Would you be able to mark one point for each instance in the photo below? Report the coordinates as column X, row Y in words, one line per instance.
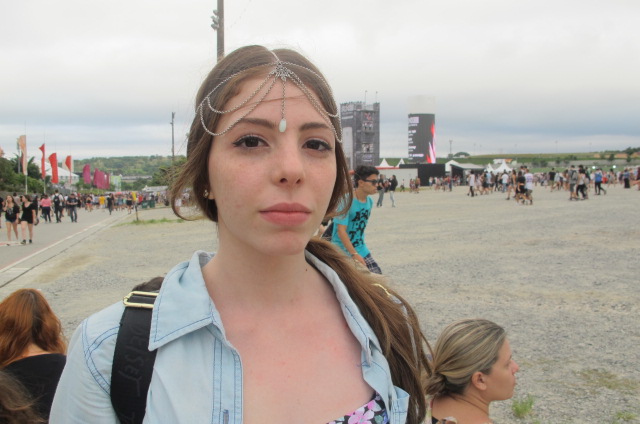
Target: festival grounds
column 560, row 276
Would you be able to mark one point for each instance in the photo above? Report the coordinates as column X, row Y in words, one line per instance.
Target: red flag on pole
column 42, row 170
column 68, row 165
column 53, row 160
column 86, row 174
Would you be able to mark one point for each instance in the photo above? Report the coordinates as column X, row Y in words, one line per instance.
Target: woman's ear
column 479, row 380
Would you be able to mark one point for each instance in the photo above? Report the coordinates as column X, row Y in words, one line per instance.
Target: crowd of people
column 578, row 182
column 25, row 211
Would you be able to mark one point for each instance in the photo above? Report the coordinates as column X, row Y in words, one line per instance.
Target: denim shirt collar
column 183, row 305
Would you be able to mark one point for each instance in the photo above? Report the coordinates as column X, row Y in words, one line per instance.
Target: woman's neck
column 256, row 281
column 466, row 408
column 34, row 350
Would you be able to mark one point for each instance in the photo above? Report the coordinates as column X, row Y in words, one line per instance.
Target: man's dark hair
column 363, row 171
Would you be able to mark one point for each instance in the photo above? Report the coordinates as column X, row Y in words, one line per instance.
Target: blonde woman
column 472, row 367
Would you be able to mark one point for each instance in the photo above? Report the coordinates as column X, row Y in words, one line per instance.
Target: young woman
column 380, row 190
column 27, row 218
column 472, row 367
column 277, row 326
column 45, row 206
column 32, row 348
column 11, row 216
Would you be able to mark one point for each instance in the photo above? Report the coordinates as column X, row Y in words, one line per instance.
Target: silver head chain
column 281, row 71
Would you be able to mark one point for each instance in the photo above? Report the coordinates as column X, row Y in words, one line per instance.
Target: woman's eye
column 317, row 145
column 249, row 141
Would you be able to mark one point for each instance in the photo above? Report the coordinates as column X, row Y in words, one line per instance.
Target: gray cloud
column 103, row 78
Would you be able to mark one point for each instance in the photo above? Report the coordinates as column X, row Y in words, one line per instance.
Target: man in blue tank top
column 348, row 229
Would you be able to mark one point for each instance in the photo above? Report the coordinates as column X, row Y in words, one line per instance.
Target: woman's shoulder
column 100, row 326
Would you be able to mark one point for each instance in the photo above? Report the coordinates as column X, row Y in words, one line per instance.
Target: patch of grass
column 153, row 221
column 598, row 379
column 523, row 407
column 625, row 416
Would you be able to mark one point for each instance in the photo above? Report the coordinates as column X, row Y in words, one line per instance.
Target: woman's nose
column 289, row 166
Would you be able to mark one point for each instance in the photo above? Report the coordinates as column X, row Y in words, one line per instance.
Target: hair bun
column 436, row 384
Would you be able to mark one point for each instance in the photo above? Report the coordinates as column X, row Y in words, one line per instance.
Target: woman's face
column 501, row 381
column 271, row 188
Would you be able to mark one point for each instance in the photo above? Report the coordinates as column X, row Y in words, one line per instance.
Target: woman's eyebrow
column 258, row 121
column 314, row 126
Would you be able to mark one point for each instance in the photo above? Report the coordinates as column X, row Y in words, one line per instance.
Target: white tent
column 384, row 164
column 447, row 166
column 502, row 168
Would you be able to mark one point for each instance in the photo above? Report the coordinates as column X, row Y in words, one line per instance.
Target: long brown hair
column 391, row 318
column 25, row 318
column 16, row 406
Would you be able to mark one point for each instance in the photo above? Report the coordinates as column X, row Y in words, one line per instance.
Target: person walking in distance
column 11, row 213
column 45, row 207
column 110, row 201
column 72, row 207
column 380, row 189
column 597, row 178
column 472, row 183
column 27, row 218
column 393, row 183
column 58, row 203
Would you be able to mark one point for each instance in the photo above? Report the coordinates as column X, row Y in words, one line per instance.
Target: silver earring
column 205, row 194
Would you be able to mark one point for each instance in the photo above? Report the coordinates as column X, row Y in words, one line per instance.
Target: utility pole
column 173, row 150
column 450, row 149
column 217, row 23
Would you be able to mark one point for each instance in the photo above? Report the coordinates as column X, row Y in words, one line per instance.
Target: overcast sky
column 96, row 78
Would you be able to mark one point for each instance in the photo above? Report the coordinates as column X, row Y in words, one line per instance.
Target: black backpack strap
column 132, row 361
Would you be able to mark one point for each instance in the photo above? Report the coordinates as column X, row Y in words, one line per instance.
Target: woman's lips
column 286, row 214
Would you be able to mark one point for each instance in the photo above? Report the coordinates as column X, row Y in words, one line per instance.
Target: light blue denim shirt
column 197, row 377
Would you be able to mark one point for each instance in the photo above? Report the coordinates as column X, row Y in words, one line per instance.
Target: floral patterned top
column 371, row 413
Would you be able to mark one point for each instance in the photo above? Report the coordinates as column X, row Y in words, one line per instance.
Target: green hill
column 127, row 165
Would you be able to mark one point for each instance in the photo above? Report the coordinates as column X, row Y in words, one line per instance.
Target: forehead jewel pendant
column 281, row 72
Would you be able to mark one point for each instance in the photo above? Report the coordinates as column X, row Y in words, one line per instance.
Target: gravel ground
column 557, row 275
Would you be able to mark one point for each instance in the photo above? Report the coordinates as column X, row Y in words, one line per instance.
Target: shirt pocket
column 399, row 407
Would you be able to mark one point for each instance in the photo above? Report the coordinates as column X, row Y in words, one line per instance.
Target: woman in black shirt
column 11, row 211
column 32, row 347
column 28, row 217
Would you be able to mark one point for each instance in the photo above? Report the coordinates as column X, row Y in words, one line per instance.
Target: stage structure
column 422, row 129
column 361, row 133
